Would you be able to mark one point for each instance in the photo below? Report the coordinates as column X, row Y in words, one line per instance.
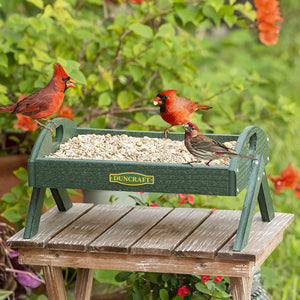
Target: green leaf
column 166, row 31
column 3, row 60
column 78, row 76
column 221, row 295
column 156, row 120
column 198, row 297
column 9, row 198
column 12, row 215
column 211, row 13
column 107, row 276
column 98, row 122
column 164, row 295
column 202, row 288
column 125, row 99
column 136, row 71
column 122, row 276
column 5, row 294
column 142, row 30
column 104, row 100
column 21, row 173
column 37, row 3
column 230, row 20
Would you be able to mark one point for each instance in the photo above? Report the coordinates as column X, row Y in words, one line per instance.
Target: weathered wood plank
column 211, row 235
column 83, row 285
column 129, row 229
column 54, row 283
column 263, row 239
column 147, row 263
column 167, row 234
column 52, row 222
column 241, row 287
column 87, row 228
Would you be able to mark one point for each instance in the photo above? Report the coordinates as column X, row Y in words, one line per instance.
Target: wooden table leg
column 84, row 282
column 241, row 288
column 54, row 283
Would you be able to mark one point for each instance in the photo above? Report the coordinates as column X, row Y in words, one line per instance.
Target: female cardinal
column 46, row 101
column 203, row 147
column 176, row 110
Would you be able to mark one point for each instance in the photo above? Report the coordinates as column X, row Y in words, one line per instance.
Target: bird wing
column 207, row 144
column 37, row 102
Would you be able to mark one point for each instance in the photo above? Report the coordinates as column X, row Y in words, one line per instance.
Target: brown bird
column 205, row 148
column 46, row 101
column 176, row 110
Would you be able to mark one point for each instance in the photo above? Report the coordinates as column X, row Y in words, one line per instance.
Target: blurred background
column 122, row 54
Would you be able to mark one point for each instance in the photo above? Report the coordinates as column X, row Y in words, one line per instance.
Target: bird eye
column 164, row 98
column 66, row 79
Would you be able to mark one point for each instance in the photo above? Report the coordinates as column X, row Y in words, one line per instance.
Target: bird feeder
column 61, row 174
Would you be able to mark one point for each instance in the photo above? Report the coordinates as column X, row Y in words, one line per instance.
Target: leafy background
column 123, row 54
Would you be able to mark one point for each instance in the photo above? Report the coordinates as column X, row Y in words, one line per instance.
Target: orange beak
column 70, row 83
column 157, row 101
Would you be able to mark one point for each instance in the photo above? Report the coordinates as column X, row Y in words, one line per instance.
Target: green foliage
column 167, row 286
column 14, row 205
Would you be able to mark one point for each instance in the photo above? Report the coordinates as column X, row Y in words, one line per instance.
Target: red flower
column 182, row 291
column 213, row 210
column 66, row 112
column 288, row 178
column 218, row 279
column 204, row 278
column 297, row 191
column 190, row 199
column 154, row 205
column 182, row 196
column 267, row 15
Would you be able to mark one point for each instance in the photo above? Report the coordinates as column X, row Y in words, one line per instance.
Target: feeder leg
column 34, row 212
column 265, row 200
column 62, row 199
column 249, row 204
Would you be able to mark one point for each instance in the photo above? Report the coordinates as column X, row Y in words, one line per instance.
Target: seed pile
column 128, row 148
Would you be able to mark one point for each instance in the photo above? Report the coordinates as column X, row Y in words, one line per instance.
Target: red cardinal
column 203, row 147
column 176, row 110
column 46, row 101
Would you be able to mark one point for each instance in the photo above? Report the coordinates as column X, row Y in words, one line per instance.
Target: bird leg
column 49, row 121
column 167, row 130
column 42, row 125
column 209, row 162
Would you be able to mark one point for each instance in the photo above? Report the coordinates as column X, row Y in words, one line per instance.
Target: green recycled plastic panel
column 61, row 174
column 167, row 178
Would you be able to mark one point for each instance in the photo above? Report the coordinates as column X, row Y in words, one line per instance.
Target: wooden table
column 147, row 239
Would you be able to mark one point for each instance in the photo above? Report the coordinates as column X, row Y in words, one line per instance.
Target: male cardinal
column 176, row 110
column 46, row 101
column 203, row 147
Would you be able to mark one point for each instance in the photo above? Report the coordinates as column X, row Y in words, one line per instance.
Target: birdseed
column 128, row 148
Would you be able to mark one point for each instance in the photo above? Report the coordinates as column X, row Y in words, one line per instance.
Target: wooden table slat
column 167, row 234
column 52, row 222
column 119, row 237
column 210, row 236
column 263, row 238
column 78, row 235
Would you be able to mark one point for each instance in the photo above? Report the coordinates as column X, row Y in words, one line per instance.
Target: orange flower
column 25, row 122
column 267, row 15
column 288, row 178
column 297, row 191
column 66, row 112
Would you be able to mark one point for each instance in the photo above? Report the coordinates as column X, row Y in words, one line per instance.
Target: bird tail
column 7, row 108
column 204, row 107
column 245, row 156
